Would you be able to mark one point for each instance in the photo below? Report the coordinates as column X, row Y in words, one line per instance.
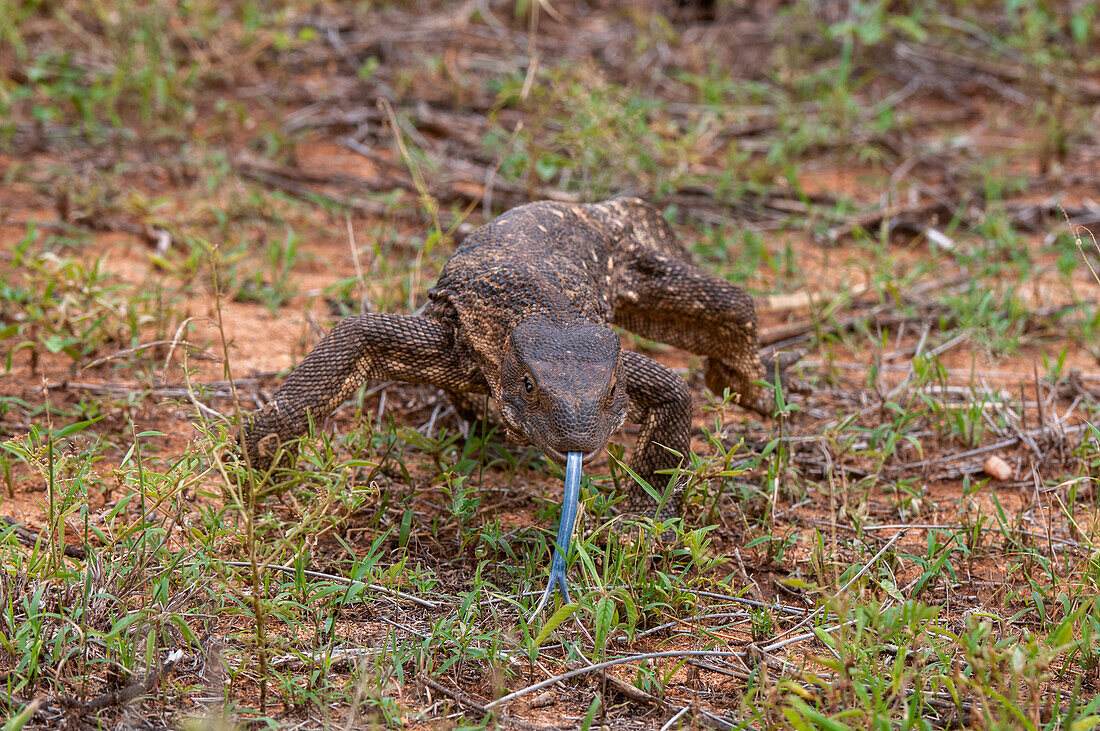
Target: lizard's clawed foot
column 776, row 364
column 565, row 530
column 720, row 375
column 262, row 455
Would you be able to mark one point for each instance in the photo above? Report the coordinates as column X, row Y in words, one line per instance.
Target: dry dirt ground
column 905, row 226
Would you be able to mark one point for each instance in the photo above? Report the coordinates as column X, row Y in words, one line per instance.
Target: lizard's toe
column 634, row 512
column 776, row 364
column 749, row 394
column 720, row 375
column 261, row 454
column 640, row 504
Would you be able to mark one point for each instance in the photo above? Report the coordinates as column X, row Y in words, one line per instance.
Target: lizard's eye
column 528, row 386
column 610, row 397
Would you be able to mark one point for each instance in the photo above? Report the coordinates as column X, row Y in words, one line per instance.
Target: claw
column 565, row 529
column 776, row 364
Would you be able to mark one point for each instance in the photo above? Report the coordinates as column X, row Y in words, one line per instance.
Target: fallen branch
column 455, row 696
column 980, row 451
column 125, row 695
column 30, row 539
column 871, row 221
column 607, row 664
column 342, row 580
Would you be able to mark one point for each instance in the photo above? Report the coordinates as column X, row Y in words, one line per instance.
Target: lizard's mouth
column 559, row 457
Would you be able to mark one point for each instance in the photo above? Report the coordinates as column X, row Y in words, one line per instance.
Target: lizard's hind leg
column 359, row 347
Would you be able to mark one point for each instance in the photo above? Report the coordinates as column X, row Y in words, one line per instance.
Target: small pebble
column 543, row 700
column 997, row 468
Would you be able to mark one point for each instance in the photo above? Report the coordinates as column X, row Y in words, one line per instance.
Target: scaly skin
column 522, row 312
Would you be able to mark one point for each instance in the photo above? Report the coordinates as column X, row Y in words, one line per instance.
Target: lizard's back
column 537, row 260
column 562, row 261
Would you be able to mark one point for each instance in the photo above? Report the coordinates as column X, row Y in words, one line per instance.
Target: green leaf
column 1040, row 605
column 563, row 613
column 406, row 526
column 122, row 624
column 631, row 610
column 20, row 720
column 590, row 717
column 637, row 478
column 546, row 169
column 892, row 589
column 55, row 343
column 605, row 618
column 817, row 719
column 910, row 27
column 179, row 623
column 1062, row 636
column 1079, row 28
column 757, row 541
column 826, row 638
column 794, row 720
column 74, row 428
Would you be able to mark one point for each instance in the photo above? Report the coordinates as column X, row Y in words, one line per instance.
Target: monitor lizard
column 522, row 313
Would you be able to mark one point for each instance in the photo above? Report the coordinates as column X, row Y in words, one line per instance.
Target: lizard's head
column 561, row 388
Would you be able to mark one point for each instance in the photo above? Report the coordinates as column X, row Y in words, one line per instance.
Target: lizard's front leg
column 660, row 401
column 672, row 301
column 359, row 347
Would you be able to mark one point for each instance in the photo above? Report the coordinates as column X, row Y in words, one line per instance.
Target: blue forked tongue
column 565, row 529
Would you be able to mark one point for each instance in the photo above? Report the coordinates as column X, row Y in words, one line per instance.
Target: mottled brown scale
column 521, row 312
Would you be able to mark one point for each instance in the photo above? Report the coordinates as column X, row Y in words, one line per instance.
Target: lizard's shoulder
column 528, row 242
column 633, row 223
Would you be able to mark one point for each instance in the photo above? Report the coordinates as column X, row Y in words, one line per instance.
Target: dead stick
column 455, row 696
column 124, row 695
column 27, row 538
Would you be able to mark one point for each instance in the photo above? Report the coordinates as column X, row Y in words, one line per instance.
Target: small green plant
column 272, row 286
